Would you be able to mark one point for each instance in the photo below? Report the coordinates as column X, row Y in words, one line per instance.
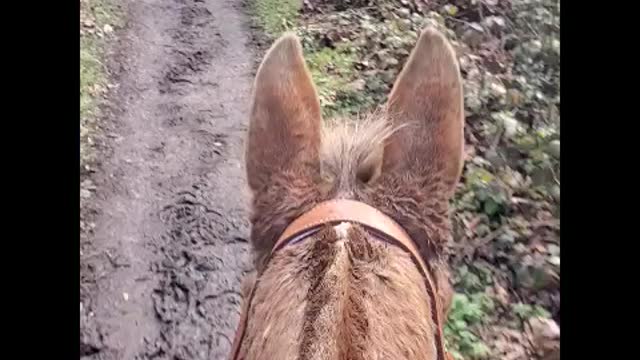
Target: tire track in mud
column 173, row 205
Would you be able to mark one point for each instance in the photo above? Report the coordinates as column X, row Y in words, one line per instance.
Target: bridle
column 379, row 226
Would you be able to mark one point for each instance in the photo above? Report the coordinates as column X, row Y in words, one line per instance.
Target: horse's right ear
column 426, row 105
column 284, row 131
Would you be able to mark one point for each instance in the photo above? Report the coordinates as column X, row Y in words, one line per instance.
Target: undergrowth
column 98, row 19
column 466, row 313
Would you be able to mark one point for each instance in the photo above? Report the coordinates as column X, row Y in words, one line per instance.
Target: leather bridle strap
column 377, row 224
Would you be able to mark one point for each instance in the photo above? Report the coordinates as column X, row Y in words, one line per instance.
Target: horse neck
column 340, row 295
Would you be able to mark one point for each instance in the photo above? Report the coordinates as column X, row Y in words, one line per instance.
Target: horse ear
column 426, row 105
column 284, row 130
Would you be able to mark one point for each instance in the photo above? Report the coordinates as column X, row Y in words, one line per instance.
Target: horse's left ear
column 284, row 131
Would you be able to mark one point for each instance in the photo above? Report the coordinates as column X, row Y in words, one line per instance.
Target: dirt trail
column 161, row 270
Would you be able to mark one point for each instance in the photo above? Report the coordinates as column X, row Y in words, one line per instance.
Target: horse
column 350, row 218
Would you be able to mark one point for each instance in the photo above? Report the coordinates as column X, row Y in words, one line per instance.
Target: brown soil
column 161, row 267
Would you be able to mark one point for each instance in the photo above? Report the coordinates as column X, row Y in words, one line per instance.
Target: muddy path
column 161, row 270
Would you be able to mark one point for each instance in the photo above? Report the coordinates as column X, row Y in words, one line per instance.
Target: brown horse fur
column 341, row 294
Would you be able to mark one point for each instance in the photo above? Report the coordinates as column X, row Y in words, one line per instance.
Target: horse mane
column 352, row 150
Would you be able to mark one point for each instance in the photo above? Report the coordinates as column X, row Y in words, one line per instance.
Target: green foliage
column 466, row 313
column 489, row 195
column 526, row 311
column 472, row 279
column 469, row 280
column 277, row 16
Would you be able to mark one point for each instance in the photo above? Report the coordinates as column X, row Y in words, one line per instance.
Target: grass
column 93, row 74
column 332, row 69
column 277, row 16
